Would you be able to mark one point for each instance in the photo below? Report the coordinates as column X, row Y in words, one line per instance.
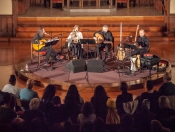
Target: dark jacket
column 167, row 89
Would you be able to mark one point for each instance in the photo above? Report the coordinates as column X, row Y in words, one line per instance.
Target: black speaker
column 76, row 66
column 95, row 66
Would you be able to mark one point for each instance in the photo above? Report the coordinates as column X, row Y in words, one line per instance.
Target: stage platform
column 62, row 78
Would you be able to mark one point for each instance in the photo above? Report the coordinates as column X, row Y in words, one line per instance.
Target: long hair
column 87, row 109
column 49, row 93
column 72, row 95
column 100, row 92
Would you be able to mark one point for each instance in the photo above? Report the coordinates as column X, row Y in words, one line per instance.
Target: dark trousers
column 49, row 52
column 77, row 50
column 100, row 48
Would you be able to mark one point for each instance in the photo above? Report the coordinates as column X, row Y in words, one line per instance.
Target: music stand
column 87, row 42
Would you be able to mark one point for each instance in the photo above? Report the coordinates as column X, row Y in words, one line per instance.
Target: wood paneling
column 5, row 26
column 23, row 5
column 172, row 22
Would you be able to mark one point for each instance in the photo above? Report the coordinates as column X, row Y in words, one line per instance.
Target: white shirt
column 69, row 38
column 11, row 89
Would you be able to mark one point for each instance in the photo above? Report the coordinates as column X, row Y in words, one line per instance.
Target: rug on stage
column 60, row 73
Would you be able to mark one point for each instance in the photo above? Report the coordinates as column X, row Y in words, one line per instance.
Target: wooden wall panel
column 172, row 22
column 9, row 26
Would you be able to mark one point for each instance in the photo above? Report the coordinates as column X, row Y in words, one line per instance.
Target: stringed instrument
column 40, row 44
column 100, row 39
column 135, row 40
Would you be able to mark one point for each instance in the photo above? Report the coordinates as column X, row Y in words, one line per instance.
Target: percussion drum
column 120, row 54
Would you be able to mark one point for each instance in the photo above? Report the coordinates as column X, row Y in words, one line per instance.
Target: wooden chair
column 123, row 1
column 56, row 1
column 38, row 54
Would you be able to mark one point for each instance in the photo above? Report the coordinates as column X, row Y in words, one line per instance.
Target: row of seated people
column 101, row 114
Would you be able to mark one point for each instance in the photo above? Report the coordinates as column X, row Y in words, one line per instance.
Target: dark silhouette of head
column 87, row 109
column 127, row 122
column 99, row 125
column 100, row 92
column 72, row 95
column 12, row 80
column 149, row 85
column 56, row 100
column 124, row 87
column 7, row 98
column 87, row 127
column 49, row 93
column 68, row 127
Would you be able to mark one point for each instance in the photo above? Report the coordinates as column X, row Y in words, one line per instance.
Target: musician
column 108, row 40
column 74, row 44
column 49, row 51
column 141, row 46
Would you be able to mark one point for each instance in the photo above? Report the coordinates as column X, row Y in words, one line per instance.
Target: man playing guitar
column 106, row 41
column 38, row 39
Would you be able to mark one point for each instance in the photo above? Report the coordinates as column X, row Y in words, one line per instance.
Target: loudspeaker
column 95, row 66
column 76, row 66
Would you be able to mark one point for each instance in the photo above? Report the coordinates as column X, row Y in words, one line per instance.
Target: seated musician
column 141, row 46
column 106, row 43
column 49, row 51
column 74, row 44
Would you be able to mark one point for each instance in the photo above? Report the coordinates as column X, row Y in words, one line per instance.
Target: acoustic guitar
column 100, row 39
column 40, row 45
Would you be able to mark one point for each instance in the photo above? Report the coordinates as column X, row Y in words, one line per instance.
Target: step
column 65, row 35
column 92, row 18
column 89, row 28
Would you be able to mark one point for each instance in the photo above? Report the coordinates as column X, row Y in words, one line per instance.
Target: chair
column 38, row 54
column 123, row 1
column 56, row 1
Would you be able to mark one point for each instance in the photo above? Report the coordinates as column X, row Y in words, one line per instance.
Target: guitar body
column 99, row 37
column 40, row 45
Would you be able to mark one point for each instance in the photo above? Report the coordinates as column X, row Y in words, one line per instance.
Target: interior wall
column 172, row 6
column 5, row 7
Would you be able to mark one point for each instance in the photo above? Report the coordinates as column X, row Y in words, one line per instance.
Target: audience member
column 11, row 88
column 6, row 113
column 99, row 125
column 151, row 95
column 87, row 127
column 144, row 117
column 112, row 115
column 46, row 100
column 168, row 88
column 123, row 98
column 27, row 93
column 33, row 111
column 55, row 114
column 156, row 126
column 87, row 114
column 166, row 115
column 68, row 127
column 112, row 118
column 18, row 125
column 73, row 102
column 127, row 124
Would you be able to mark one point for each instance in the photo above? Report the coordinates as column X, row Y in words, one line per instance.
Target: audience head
column 87, row 109
column 49, row 93
column 111, row 104
column 29, row 83
column 149, row 85
column 72, row 94
column 167, row 77
column 141, row 32
column 67, row 126
column 127, row 121
column 124, row 87
column 156, row 126
column 36, row 125
column 56, row 100
column 12, row 80
column 99, row 125
column 17, row 124
column 7, row 98
column 34, row 104
column 146, row 104
column 100, row 92
column 164, row 102
column 86, row 127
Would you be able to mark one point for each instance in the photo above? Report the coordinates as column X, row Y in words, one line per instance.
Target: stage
column 62, row 77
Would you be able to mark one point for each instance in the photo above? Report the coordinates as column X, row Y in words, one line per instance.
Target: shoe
column 46, row 64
